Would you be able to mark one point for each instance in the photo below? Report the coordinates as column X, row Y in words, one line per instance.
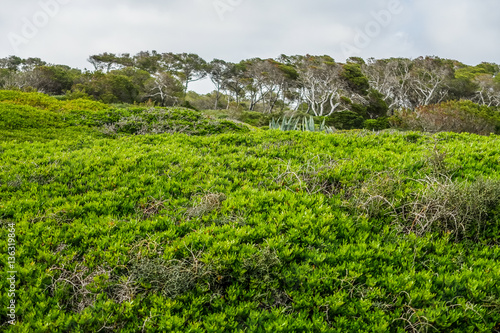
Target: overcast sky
column 68, row 31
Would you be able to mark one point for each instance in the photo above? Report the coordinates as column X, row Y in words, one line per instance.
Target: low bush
column 377, row 124
column 48, row 103
column 463, row 209
column 345, row 120
column 14, row 117
column 170, row 120
column 32, row 99
column 433, row 203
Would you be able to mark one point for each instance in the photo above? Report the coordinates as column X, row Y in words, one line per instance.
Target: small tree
column 164, row 88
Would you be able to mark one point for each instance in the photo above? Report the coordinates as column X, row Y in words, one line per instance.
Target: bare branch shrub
column 310, row 176
column 172, row 277
column 205, row 203
column 461, row 208
column 80, row 285
column 375, row 197
column 452, row 116
column 150, row 208
column 438, row 204
column 261, row 263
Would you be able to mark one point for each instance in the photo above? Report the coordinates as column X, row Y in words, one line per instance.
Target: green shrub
column 83, row 105
column 14, row 117
column 33, row 99
column 262, row 231
column 169, row 120
column 345, row 120
column 253, row 118
column 48, row 103
column 464, row 209
column 377, row 124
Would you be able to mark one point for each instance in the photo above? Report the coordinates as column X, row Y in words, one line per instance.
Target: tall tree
column 235, row 80
column 488, row 92
column 321, row 83
column 217, row 71
column 104, row 61
column 11, row 63
column 148, row 61
column 390, row 77
column 188, row 67
column 428, row 80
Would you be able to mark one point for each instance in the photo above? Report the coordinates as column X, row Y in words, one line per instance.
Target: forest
column 301, row 195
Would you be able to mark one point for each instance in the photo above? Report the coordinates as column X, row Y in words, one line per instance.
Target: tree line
column 317, row 85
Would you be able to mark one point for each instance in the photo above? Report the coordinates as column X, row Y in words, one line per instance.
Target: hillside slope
column 261, row 231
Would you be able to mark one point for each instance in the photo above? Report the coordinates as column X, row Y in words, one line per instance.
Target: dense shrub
column 377, row 124
column 452, row 116
column 253, row 118
column 345, row 120
column 466, row 210
column 48, row 103
column 14, row 116
column 262, row 231
column 170, row 120
column 253, row 231
column 33, row 99
column 83, row 104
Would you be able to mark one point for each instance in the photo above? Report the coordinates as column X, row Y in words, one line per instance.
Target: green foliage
column 50, row 113
column 31, row 99
column 377, row 107
column 188, row 105
column 260, row 231
column 434, row 202
column 73, row 133
column 469, row 72
column 108, row 88
column 252, row 118
column 377, row 124
column 14, row 117
column 355, row 78
column 169, row 120
column 83, row 105
column 345, row 120
column 44, row 102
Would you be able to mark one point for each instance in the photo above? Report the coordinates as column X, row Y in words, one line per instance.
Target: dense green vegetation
column 21, row 114
column 353, row 95
column 133, row 218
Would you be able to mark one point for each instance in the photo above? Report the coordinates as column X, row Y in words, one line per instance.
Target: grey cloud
column 463, row 29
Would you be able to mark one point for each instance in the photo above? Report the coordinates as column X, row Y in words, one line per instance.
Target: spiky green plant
column 307, row 125
column 289, row 124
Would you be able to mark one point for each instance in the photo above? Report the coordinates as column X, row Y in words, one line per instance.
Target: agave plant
column 289, row 124
column 307, row 125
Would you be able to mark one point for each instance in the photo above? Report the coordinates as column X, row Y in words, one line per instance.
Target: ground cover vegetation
column 137, row 218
